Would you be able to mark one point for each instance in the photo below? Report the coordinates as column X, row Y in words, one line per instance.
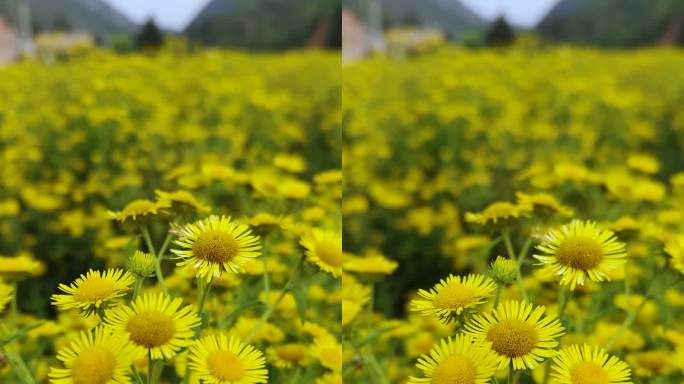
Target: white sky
column 171, row 14
column 176, row 14
column 524, row 13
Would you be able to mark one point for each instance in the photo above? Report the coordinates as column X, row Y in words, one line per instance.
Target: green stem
column 204, row 286
column 149, row 366
column 523, row 252
column 373, row 361
column 627, row 323
column 510, row 373
column 511, row 255
column 497, row 298
column 564, row 295
column 150, row 248
column 13, row 305
column 269, row 310
column 267, row 282
column 137, row 287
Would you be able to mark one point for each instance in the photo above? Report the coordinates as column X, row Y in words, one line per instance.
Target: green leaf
column 18, row 334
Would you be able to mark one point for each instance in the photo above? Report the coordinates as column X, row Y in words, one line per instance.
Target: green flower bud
column 503, row 270
column 141, row 264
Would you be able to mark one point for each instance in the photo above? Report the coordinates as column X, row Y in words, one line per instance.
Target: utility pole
column 24, row 28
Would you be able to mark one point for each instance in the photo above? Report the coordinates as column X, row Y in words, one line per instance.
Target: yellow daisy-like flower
column 588, row 365
column 289, row 355
column 97, row 356
column 139, row 209
column 375, row 264
column 181, row 200
column 519, row 333
column 328, row 351
column 451, row 296
column 21, row 264
column 218, row 359
column 94, row 291
column 675, row 248
column 461, row 360
column 6, row 293
column 324, row 248
column 496, row 212
column 216, row 244
column 155, row 322
column 544, row 201
column 580, row 250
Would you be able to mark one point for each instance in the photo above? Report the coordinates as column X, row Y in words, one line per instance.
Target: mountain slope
column 267, row 24
column 93, row 16
column 449, row 15
column 609, row 22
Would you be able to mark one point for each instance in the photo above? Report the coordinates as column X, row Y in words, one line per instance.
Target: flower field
column 171, row 218
column 509, row 216
column 532, row 204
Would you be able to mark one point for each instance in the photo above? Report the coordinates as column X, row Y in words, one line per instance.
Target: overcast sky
column 176, row 14
column 525, row 13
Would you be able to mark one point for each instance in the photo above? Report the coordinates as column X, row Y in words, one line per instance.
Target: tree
column 149, row 37
column 500, row 34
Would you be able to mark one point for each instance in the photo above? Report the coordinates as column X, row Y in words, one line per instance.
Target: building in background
column 9, row 49
column 356, row 40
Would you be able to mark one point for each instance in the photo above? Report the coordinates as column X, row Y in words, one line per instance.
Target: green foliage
column 267, row 24
column 149, row 37
column 500, row 33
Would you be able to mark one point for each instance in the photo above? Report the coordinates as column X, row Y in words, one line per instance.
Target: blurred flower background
column 523, row 184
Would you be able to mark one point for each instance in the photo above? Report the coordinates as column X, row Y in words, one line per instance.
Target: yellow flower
column 588, row 364
column 218, row 359
column 462, row 359
column 518, row 333
column 97, row 356
column 21, row 264
column 451, row 296
column 324, row 248
column 6, row 294
column 94, row 291
column 544, row 201
column 675, row 248
column 651, row 363
column 580, row 250
column 138, row 210
column 289, row 355
column 354, row 297
column 375, row 264
column 503, row 270
column 155, row 322
column 141, row 264
column 328, row 351
column 181, row 200
column 330, row 378
column 496, row 212
column 216, row 244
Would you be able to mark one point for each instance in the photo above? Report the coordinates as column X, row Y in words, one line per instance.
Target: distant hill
column 614, row 22
column 268, row 24
column 93, row 16
column 450, row 15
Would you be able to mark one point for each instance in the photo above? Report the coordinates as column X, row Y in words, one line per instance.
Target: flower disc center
column 454, row 296
column 95, row 365
column 330, row 252
column 512, row 338
column 580, row 252
column 588, row 372
column 150, row 329
column 225, row 366
column 92, row 289
column 216, row 247
column 456, row 369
